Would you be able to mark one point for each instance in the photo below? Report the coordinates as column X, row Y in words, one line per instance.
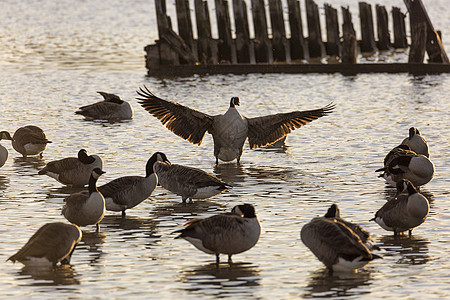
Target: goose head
column 157, row 156
column 403, row 186
column 333, row 212
column 85, row 158
column 97, row 172
column 245, row 210
column 111, row 98
column 4, row 135
column 234, row 101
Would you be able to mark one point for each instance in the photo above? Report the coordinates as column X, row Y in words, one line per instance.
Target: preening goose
column 128, row 191
column 71, row 170
column 4, row 135
column 229, row 130
column 52, row 243
column 227, row 233
column 111, row 108
column 30, row 140
column 84, row 208
column 336, row 243
column 188, row 182
column 406, row 211
column 416, row 142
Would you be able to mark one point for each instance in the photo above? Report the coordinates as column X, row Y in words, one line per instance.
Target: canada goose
column 52, row 243
column 30, row 140
column 112, row 108
column 188, row 182
column 416, row 142
column 71, row 170
column 4, row 135
column 84, row 208
column 415, row 167
column 406, row 211
column 128, row 191
column 230, row 130
column 227, row 233
column 335, row 243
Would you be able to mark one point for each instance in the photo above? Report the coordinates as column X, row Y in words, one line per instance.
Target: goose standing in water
column 112, row 108
column 227, row 233
column 128, row 191
column 84, row 208
column 229, row 130
column 71, row 170
column 30, row 140
column 416, row 142
column 4, row 135
column 406, row 211
column 187, row 182
column 52, row 243
column 338, row 244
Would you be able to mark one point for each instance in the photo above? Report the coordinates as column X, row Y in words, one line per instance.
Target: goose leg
column 217, row 259
column 230, row 261
column 410, row 232
column 123, row 213
column 217, row 160
column 98, row 227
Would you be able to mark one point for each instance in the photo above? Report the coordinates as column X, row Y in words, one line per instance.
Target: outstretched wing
column 187, row 123
column 269, row 129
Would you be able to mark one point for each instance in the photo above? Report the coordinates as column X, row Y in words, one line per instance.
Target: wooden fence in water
column 180, row 54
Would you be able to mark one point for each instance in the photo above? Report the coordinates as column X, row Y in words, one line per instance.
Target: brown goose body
column 112, row 108
column 30, row 140
column 229, row 130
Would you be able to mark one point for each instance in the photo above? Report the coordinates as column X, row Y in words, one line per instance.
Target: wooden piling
column 333, row 45
column 242, row 31
column 418, row 43
column 315, row 42
column 205, row 52
column 398, row 19
column 263, row 46
column 298, row 48
column 349, row 45
column 185, row 23
column 384, row 38
column 225, row 44
column 278, row 30
column 367, row 29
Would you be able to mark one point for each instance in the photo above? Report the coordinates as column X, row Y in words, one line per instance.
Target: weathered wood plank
column 367, row 29
column 263, row 46
column 315, row 43
column 242, row 31
column 333, row 45
column 225, row 45
column 185, row 23
column 298, row 47
column 384, row 38
column 398, row 19
column 278, row 30
column 203, row 31
column 418, row 42
column 349, row 46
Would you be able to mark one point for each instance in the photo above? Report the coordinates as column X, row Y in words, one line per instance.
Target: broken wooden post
column 418, row 43
column 384, row 38
column 349, row 45
column 297, row 44
column 418, row 14
column 398, row 19
column 242, row 31
column 333, row 45
column 225, row 44
column 204, row 52
column 278, row 30
column 185, row 23
column 367, row 31
column 314, row 32
column 167, row 56
column 263, row 47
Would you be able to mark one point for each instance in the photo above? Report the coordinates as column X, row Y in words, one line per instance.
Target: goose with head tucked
column 229, row 130
column 4, row 135
column 74, row 171
column 340, row 245
column 407, row 210
column 51, row 244
column 226, row 233
column 126, row 192
column 416, row 142
column 187, row 182
column 86, row 208
column 111, row 108
column 30, row 140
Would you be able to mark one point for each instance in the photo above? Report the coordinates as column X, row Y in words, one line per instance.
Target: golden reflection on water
column 49, row 276
column 411, row 250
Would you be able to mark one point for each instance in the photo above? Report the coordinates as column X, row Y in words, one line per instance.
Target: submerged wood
column 384, row 38
column 367, row 31
column 298, row 47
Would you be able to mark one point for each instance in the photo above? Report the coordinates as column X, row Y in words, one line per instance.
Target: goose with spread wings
column 229, row 130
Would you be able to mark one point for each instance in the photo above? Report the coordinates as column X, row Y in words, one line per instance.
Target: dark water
column 55, row 56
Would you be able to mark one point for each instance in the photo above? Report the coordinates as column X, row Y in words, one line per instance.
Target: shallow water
column 55, row 57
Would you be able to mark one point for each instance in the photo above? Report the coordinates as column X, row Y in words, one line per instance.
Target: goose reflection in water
column 322, row 284
column 412, row 250
column 44, row 276
column 4, row 182
column 230, row 173
column 179, row 210
column 238, row 280
column 30, row 164
column 92, row 241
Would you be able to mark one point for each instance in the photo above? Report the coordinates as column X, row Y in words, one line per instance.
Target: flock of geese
column 338, row 244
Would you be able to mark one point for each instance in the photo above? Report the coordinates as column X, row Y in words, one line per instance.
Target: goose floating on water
column 84, row 208
column 52, row 243
column 229, row 130
column 30, row 140
column 340, row 245
column 406, row 211
column 187, row 182
column 74, row 171
column 112, row 108
column 227, row 233
column 416, row 142
column 4, row 135
column 128, row 191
